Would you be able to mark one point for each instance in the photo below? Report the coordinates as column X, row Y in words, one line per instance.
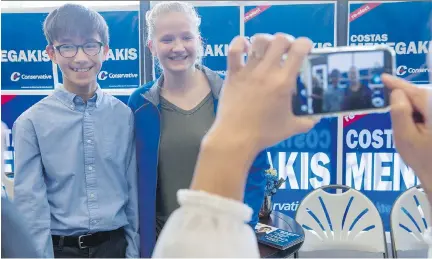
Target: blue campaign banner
column 122, row 66
column 25, row 63
column 315, row 20
column 307, row 161
column 393, row 24
column 219, row 25
column 371, row 163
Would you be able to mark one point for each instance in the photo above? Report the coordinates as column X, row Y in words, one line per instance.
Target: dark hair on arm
column 73, row 20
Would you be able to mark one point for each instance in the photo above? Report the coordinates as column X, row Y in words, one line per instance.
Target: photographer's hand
column 413, row 139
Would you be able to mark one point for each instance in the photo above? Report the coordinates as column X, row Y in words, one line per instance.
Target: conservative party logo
column 103, row 75
column 401, row 70
column 15, row 76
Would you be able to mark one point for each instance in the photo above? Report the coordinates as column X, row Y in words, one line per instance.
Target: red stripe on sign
column 348, row 120
column 362, row 10
column 255, row 12
column 6, row 98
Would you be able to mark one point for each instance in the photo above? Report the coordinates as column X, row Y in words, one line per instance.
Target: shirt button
column 92, row 195
column 89, row 141
column 90, row 168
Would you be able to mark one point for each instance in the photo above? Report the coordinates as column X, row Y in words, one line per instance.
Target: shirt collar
column 67, row 98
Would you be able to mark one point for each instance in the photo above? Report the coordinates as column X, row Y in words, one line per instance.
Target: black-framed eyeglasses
column 70, row 50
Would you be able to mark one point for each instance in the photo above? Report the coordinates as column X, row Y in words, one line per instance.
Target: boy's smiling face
column 81, row 69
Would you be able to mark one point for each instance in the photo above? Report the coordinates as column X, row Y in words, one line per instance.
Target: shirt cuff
column 215, row 204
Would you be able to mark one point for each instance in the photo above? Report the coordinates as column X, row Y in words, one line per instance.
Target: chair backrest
column 341, row 221
column 409, row 219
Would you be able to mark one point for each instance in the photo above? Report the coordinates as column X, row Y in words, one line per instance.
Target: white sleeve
column 207, row 225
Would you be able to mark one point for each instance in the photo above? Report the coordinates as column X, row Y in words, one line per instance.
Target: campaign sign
column 404, row 26
column 371, row 163
column 307, row 161
column 122, row 66
column 24, row 60
column 219, row 25
column 314, row 20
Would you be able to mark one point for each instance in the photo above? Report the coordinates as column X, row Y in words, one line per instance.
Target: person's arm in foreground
column 254, row 113
column 132, row 230
column 413, row 139
column 30, row 195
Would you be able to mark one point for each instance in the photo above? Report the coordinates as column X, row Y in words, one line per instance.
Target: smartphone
column 344, row 80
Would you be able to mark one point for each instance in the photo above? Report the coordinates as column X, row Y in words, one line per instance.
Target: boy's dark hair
column 74, row 20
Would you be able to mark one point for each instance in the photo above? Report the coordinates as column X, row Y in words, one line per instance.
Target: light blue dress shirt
column 75, row 168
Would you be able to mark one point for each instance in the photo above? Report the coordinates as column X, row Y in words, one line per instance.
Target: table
column 281, row 221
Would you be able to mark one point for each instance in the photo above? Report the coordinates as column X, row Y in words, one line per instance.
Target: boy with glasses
column 75, row 164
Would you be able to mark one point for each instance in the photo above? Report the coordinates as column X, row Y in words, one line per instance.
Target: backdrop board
column 403, row 25
column 219, row 25
column 25, row 63
column 313, row 19
column 371, row 163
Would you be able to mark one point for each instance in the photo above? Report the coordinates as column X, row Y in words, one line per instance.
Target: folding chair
column 341, row 221
column 409, row 219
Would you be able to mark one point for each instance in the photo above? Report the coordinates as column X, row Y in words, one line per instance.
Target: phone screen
column 340, row 82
